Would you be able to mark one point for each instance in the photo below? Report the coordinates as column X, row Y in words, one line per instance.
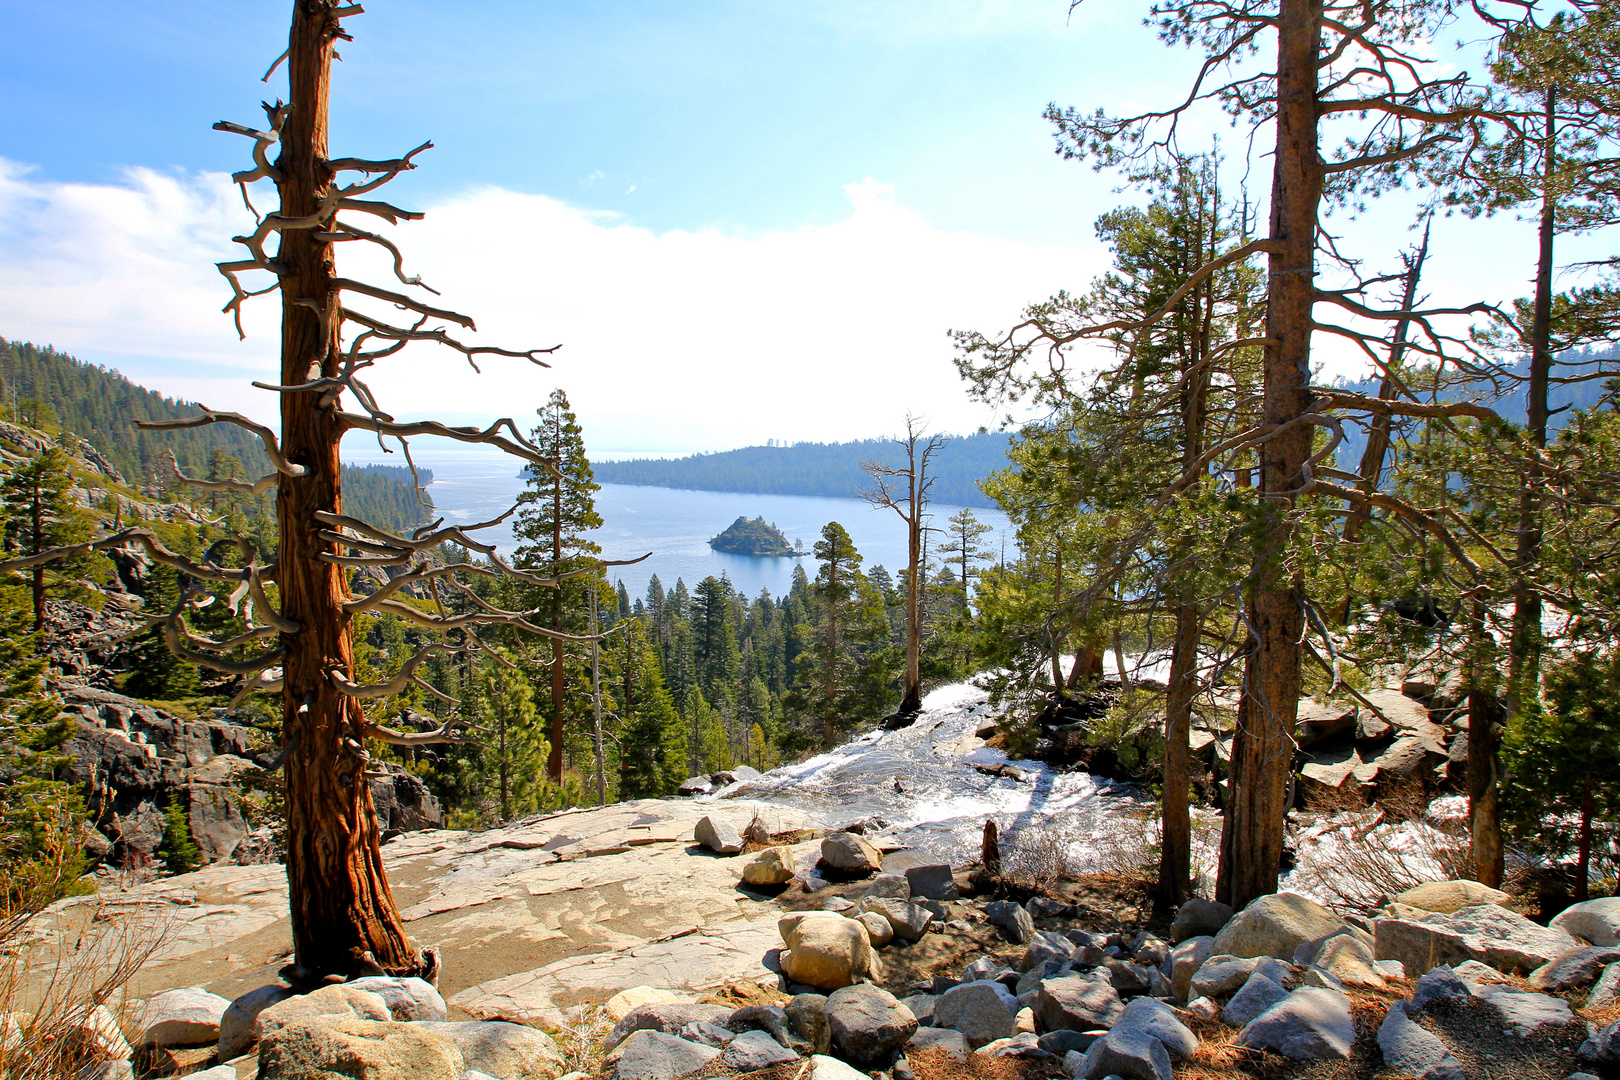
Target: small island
column 745, row 537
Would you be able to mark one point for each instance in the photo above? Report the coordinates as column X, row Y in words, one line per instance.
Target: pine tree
column 555, row 512
column 653, row 743
column 40, row 515
column 841, row 675
column 503, row 706
column 178, row 852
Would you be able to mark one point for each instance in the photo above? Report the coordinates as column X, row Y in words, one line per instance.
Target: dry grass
column 58, row 974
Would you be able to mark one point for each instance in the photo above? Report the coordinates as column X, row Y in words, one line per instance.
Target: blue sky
column 743, row 220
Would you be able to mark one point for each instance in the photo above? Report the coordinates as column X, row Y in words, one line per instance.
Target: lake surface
column 676, row 525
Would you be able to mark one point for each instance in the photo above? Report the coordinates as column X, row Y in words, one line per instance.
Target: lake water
column 676, row 525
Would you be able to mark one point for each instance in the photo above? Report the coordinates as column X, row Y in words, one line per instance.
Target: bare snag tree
column 344, row 919
column 904, row 490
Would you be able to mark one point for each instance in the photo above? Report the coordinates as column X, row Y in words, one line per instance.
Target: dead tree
column 905, row 491
column 299, row 642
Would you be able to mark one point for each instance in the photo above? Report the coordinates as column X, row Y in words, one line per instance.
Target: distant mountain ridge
column 103, row 405
column 825, row 469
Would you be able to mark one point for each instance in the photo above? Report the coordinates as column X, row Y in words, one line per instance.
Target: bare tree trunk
column 1175, row 850
column 911, row 697
column 554, row 759
column 596, row 707
column 340, row 903
column 1524, row 656
column 1262, row 751
column 1484, row 734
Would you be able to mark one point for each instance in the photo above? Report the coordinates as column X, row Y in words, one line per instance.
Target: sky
column 740, row 220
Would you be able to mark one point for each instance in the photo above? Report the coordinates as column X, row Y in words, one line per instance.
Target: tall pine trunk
column 1175, row 852
column 1484, row 734
column 554, row 759
column 340, row 903
column 1262, row 751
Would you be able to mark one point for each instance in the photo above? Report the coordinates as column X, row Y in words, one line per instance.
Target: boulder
column 1318, row 721
column 509, row 1051
column 1575, row 970
column 1126, row 1052
column 404, row 803
column 982, row 1011
column 408, row 999
column 1129, row 979
column 664, row 1017
column 1524, row 1013
column 1256, row 995
column 1078, row 1004
column 702, row 1031
column 1492, row 935
column 1602, row 1047
column 828, row 953
column 1349, row 959
column 188, row 1017
column 1220, row 975
column 771, row 1019
column 1013, row 920
column 1446, row 897
column 1159, row 1020
column 654, row 1055
column 1594, row 921
column 1185, row 958
column 696, row 785
column 1046, row 947
column 790, row 922
column 808, row 1029
column 320, row 1048
column 1147, row 949
column 1308, row 1025
column 922, row 1007
column 823, row 1067
column 751, row 1051
column 1606, row 991
column 1440, row 984
column 890, row 887
column 717, row 836
column 619, row 1005
column 239, row 1026
column 932, row 881
column 329, row 1003
column 1412, row 1050
column 909, row 921
column 877, row 928
column 1275, row 925
column 867, row 1023
column 943, row 1040
column 850, row 854
column 1199, row 918
column 769, row 867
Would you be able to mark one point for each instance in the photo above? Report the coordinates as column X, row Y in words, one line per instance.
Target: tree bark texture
column 340, row 902
column 1175, row 852
column 1263, row 749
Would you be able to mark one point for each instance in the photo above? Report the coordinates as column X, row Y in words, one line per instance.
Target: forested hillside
column 832, row 469
column 51, row 390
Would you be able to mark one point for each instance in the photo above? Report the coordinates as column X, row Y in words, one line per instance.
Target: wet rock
column 188, row 1017
column 1257, row 995
column 717, row 836
column 1446, row 897
column 1308, row 1025
column 932, row 881
column 1185, row 958
column 909, row 921
column 509, row 1051
column 877, row 928
column 868, row 1023
column 318, row 1048
column 1077, row 1004
column 1159, row 1020
column 1126, row 1052
column 408, row 999
column 1594, row 921
column 238, row 1026
column 1524, row 1013
column 1413, row 1051
column 769, row 867
column 653, row 1055
column 850, row 854
column 945, row 1040
column 666, row 1018
column 982, row 1011
column 1276, row 925
column 1487, row 933
column 1574, row 970
column 754, row 1050
column 1013, row 920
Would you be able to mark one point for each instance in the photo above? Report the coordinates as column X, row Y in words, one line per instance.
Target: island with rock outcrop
column 754, row 536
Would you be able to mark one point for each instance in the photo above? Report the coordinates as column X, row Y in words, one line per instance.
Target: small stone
column 1078, row 1004
column 982, row 1011
column 1257, row 995
column 1204, row 1008
column 890, row 886
column 1024, row 1022
column 707, row 1033
column 1308, row 1025
column 1199, row 918
column 1126, row 1052
column 868, row 1023
column 909, row 921
column 877, row 928
column 850, row 854
column 653, row 1055
column 945, row 1040
column 769, row 867
column 188, row 1017
column 1413, row 1051
column 1159, row 1020
column 933, row 881
column 1220, row 975
column 755, row 1050
column 985, row 967
column 1013, row 920
column 717, row 836
column 1147, row 949
column 838, row 904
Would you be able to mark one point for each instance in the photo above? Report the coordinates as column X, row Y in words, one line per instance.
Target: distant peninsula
column 745, row 537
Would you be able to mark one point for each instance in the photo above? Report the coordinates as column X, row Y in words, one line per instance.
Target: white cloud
column 674, row 340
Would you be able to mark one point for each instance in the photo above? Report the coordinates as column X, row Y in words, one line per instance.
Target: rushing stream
column 935, row 783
